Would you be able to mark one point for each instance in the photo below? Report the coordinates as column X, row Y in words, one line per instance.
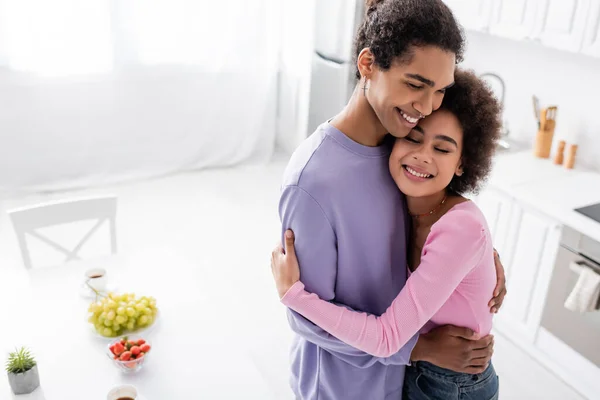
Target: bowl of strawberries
column 129, row 353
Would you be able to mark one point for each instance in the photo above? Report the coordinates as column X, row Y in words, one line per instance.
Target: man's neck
column 359, row 122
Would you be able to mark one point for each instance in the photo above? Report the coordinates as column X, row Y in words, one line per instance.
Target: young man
column 348, row 216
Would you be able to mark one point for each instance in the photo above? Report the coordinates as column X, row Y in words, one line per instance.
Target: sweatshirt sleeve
column 316, row 249
column 455, row 245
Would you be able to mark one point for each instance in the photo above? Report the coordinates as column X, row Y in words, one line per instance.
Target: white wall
column 570, row 81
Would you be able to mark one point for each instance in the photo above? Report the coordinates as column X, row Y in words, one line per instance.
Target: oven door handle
column 577, row 266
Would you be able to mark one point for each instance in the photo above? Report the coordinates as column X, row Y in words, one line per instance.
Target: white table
column 197, row 352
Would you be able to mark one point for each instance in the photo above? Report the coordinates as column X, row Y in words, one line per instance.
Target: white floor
column 226, row 220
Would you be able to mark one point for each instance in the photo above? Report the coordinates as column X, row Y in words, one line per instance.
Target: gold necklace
column 430, row 212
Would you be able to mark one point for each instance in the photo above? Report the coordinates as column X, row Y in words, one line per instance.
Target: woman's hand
column 284, row 265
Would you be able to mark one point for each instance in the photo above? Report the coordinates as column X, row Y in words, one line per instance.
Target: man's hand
column 455, row 348
column 500, row 290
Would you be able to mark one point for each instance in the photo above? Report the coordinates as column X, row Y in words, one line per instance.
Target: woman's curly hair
column 479, row 114
column 391, row 28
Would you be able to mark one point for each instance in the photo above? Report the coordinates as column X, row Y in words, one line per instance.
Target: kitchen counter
column 551, row 189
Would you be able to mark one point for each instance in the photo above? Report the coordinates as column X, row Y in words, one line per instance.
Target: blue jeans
column 425, row 381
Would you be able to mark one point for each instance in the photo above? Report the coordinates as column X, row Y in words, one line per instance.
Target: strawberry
column 135, row 350
column 140, row 342
column 140, row 355
column 145, row 347
column 126, row 356
column 118, row 348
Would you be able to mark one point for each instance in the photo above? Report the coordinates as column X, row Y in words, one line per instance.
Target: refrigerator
column 332, row 78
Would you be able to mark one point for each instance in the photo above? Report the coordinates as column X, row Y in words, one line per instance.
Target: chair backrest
column 27, row 221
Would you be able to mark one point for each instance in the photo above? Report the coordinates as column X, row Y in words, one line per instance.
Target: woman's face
column 404, row 92
column 425, row 161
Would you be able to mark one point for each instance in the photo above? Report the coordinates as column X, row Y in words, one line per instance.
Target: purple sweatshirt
column 348, row 217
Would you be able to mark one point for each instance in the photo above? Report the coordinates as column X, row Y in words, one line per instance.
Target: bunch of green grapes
column 119, row 313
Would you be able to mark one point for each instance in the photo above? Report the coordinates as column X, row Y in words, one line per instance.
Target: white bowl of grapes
column 116, row 315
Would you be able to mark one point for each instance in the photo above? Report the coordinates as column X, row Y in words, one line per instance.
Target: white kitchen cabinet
column 531, row 245
column 591, row 40
column 515, row 19
column 496, row 207
column 562, row 23
column 472, row 14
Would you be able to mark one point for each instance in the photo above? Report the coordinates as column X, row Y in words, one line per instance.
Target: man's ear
column 365, row 63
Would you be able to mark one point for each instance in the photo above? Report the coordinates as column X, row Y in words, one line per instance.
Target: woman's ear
column 459, row 170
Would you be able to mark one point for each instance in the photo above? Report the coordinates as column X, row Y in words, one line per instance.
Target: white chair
column 27, row 220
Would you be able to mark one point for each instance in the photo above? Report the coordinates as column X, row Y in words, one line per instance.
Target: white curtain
column 97, row 91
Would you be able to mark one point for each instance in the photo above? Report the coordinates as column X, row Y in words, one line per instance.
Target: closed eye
column 409, row 139
column 413, row 86
column 442, row 150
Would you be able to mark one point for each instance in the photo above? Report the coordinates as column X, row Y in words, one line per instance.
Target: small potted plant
column 22, row 371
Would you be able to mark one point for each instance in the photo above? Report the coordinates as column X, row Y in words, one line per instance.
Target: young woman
column 450, row 257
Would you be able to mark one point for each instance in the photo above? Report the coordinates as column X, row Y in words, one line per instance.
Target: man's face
column 409, row 91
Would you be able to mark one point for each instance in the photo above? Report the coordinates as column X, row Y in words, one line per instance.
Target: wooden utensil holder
column 543, row 143
column 544, row 136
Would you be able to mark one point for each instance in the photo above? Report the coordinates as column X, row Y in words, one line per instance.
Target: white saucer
column 87, row 293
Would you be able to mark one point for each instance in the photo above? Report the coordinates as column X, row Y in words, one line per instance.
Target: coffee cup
column 96, row 278
column 124, row 392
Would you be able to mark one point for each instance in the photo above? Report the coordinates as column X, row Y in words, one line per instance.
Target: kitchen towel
column 584, row 296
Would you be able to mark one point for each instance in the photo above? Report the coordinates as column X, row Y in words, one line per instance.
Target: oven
column 580, row 331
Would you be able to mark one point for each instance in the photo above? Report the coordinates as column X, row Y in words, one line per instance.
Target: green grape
column 131, row 325
column 106, row 307
column 139, row 306
column 121, row 311
column 130, row 311
column 107, row 332
column 150, row 320
column 107, row 322
column 146, row 311
column 111, row 303
column 121, row 319
column 143, row 320
column 92, row 319
column 144, row 302
column 111, row 315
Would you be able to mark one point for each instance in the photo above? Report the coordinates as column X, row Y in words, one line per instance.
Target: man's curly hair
column 392, row 28
column 479, row 114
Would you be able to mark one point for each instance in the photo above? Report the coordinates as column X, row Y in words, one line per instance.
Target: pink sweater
column 452, row 285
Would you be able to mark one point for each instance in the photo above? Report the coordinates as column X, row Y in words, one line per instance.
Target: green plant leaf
column 20, row 361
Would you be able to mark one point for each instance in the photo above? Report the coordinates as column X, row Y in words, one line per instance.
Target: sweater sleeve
column 455, row 245
column 316, row 248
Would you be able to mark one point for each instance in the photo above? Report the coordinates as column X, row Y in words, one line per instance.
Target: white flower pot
column 26, row 382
